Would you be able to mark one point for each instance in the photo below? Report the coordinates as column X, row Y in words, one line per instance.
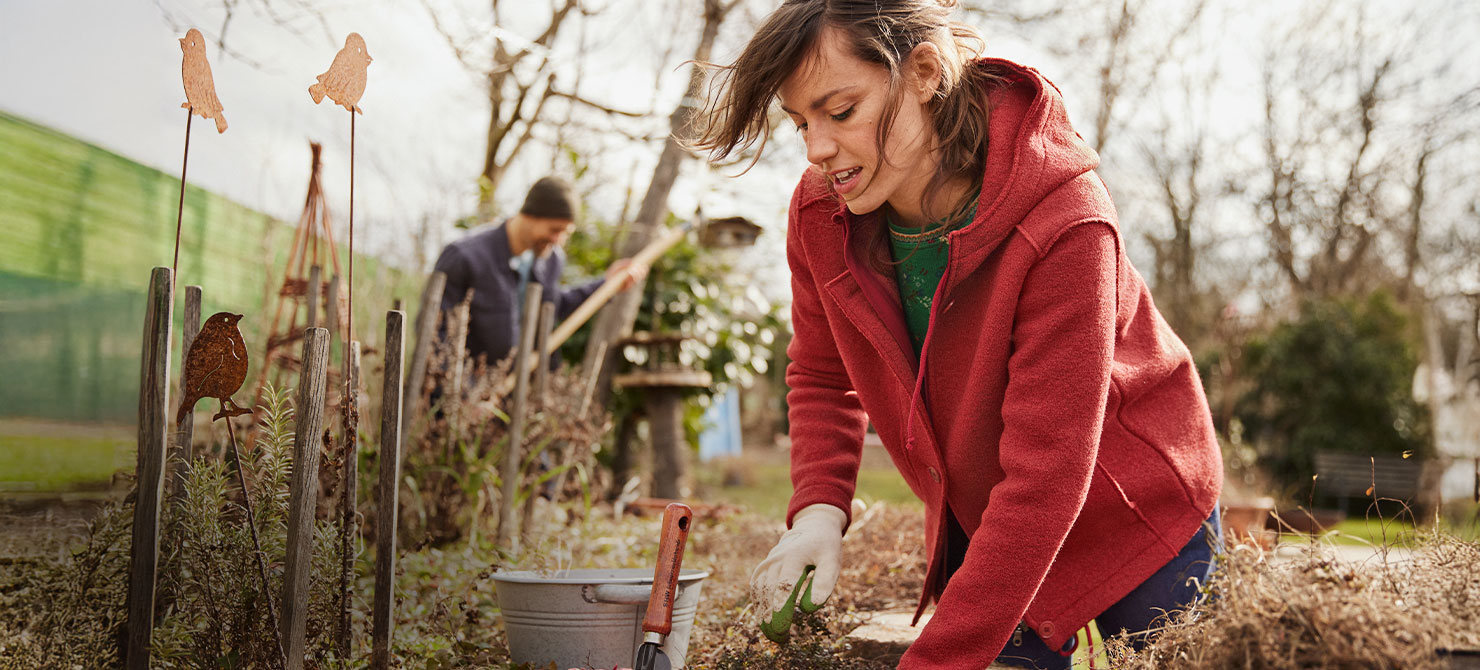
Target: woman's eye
column 843, row 115
column 801, row 127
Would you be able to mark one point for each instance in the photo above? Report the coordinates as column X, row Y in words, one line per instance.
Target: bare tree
column 519, row 78
column 1128, row 44
column 1178, row 173
column 1324, row 199
column 616, row 319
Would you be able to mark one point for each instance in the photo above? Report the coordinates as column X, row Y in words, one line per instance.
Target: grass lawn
column 1371, row 532
column 761, row 482
column 42, row 456
column 1395, row 532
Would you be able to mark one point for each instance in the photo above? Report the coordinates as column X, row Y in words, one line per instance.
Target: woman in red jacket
column 960, row 281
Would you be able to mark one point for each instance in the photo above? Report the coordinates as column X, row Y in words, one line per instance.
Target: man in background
column 499, row 262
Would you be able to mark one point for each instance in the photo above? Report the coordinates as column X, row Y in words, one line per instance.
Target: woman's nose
column 820, row 146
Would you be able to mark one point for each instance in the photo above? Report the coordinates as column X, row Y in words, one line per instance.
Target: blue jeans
column 1174, row 586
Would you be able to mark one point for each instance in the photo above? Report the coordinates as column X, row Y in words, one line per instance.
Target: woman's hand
column 815, row 538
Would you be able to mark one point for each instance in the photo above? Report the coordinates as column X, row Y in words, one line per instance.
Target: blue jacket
column 481, row 261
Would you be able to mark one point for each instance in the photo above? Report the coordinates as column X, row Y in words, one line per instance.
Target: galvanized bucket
column 589, row 618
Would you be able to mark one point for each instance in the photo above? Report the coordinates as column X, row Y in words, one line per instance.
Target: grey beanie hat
column 549, row 198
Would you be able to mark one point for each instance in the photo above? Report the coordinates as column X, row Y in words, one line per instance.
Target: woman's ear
column 922, row 71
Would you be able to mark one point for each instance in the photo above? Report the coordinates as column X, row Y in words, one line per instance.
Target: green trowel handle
column 778, row 627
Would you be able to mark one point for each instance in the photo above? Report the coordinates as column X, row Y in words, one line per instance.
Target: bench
column 1346, row 475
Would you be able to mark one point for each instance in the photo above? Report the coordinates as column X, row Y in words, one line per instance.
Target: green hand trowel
column 778, row 627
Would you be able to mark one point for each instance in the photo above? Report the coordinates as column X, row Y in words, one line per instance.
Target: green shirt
column 920, row 261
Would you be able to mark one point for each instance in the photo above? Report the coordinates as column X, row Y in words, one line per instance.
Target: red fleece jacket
column 1052, row 411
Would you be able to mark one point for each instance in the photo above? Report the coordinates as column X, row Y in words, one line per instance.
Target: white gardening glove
column 815, row 538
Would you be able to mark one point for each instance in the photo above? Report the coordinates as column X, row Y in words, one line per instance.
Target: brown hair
column 884, row 32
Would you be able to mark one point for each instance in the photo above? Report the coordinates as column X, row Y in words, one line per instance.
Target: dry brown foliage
column 1316, row 612
column 883, row 568
column 457, row 442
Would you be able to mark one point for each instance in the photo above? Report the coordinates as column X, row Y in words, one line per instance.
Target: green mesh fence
column 80, row 229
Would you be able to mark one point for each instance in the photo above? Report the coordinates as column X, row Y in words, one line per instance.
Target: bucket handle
column 624, row 594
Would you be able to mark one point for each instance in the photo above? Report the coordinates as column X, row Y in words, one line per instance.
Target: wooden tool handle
column 605, row 292
column 677, row 518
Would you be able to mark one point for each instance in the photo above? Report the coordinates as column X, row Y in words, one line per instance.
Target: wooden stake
column 349, row 526
column 541, row 380
column 303, row 493
column 452, row 400
column 182, row 451
column 513, row 450
column 154, row 385
column 542, row 364
column 387, row 506
column 426, row 333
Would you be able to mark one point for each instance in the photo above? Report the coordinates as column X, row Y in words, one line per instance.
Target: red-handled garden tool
column 659, row 619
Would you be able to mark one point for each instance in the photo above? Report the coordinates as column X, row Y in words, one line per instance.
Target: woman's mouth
column 845, row 180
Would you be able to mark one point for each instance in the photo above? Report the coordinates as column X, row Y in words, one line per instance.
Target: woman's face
column 837, row 102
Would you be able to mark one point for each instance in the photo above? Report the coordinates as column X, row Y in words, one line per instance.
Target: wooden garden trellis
column 303, row 284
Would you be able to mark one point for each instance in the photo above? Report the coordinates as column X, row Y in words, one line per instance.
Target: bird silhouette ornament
column 200, row 88
column 344, row 83
column 215, row 366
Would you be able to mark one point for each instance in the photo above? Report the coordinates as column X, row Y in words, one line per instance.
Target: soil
column 44, row 525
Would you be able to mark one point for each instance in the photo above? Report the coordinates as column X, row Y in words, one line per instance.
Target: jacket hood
column 1031, row 152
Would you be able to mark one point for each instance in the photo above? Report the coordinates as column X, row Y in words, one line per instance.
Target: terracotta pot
column 1245, row 524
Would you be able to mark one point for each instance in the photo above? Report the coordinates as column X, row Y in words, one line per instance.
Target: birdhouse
column 660, row 367
column 728, row 233
column 663, row 380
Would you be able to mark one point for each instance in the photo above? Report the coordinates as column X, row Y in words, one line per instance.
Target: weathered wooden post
column 181, row 452
column 509, row 471
column 457, row 334
column 303, row 492
column 348, row 525
column 387, row 507
column 154, row 391
column 542, row 367
column 426, row 334
column 541, row 382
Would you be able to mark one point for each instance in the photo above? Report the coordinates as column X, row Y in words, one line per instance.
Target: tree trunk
column 616, row 319
column 665, row 424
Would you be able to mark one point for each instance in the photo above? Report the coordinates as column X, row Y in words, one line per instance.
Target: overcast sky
column 108, row 71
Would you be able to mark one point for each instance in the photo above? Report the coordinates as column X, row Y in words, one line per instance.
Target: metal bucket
column 589, row 618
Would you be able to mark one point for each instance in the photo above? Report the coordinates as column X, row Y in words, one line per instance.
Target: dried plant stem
column 241, row 480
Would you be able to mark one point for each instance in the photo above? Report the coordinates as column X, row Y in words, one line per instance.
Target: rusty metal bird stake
column 215, row 367
column 201, row 100
column 344, row 82
column 200, row 88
